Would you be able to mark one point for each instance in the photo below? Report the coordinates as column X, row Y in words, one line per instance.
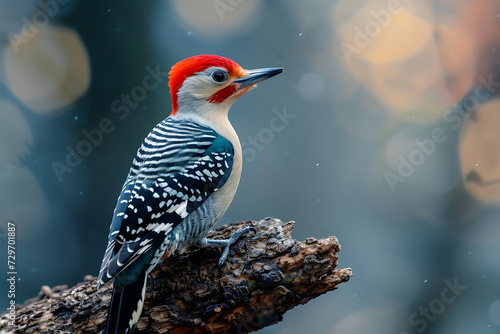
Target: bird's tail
column 126, row 305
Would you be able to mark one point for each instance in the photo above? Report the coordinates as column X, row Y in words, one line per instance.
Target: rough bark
column 266, row 274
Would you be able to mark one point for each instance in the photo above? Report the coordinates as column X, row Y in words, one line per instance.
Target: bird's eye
column 219, row 76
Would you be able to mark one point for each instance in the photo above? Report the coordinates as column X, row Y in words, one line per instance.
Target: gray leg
column 228, row 242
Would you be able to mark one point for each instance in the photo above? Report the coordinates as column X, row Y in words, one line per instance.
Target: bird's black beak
column 258, row 75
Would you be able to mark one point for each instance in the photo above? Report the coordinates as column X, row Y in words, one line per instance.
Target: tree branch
column 266, row 274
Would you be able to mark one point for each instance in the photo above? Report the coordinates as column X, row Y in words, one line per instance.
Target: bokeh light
column 479, row 154
column 410, row 63
column 217, row 19
column 383, row 319
column 15, row 134
column 48, row 71
column 22, row 200
column 311, row 85
column 382, row 37
column 495, row 312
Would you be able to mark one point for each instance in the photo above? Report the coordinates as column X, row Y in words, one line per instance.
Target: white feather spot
column 163, row 228
column 151, row 226
column 181, row 210
column 157, row 215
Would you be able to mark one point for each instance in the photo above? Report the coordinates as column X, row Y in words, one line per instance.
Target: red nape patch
column 222, row 94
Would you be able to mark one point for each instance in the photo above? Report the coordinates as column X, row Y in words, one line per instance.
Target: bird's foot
column 228, row 242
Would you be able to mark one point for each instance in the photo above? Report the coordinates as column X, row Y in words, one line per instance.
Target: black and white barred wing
column 156, row 207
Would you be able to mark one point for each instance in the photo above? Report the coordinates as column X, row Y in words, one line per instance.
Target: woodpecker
column 181, row 182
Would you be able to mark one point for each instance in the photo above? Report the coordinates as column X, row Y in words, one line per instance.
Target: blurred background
column 387, row 136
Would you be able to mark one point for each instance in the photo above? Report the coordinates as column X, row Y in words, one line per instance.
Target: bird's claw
column 228, row 242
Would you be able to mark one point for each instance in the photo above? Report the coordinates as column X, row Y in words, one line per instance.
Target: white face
column 196, row 101
column 203, row 84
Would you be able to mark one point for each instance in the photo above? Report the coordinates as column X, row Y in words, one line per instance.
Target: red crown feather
column 189, row 66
